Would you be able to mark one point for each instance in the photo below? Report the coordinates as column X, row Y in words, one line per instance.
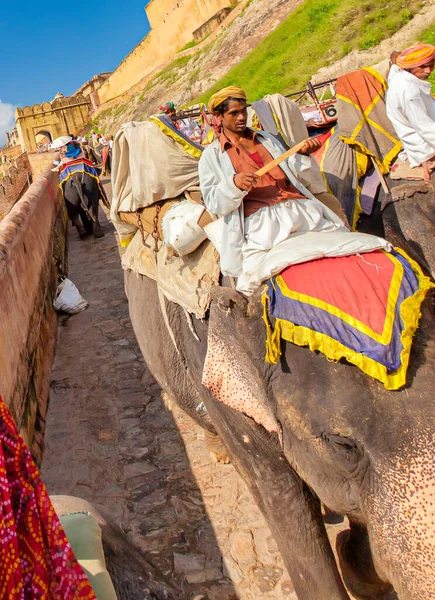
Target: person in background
column 104, row 145
column 168, row 109
column 410, row 105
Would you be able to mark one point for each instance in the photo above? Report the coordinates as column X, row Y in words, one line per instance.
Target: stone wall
column 39, row 162
column 32, row 256
column 13, row 183
column 211, row 25
column 173, row 23
column 9, row 152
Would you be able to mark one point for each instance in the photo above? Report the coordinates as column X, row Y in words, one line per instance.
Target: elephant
column 346, row 442
column 409, row 212
column 82, row 197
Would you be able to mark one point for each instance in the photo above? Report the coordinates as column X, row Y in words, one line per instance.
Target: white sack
column 68, row 299
column 180, row 227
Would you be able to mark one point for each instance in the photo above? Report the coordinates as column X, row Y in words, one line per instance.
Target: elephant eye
column 343, row 445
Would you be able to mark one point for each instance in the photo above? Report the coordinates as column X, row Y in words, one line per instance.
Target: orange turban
column 229, row 92
column 415, row 56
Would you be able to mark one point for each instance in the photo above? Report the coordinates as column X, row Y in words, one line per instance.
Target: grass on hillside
column 428, row 37
column 193, row 43
column 317, row 33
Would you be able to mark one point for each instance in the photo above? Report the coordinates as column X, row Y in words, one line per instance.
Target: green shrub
column 317, row 33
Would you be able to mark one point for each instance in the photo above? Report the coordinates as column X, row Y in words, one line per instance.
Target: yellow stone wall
column 173, row 23
column 62, row 116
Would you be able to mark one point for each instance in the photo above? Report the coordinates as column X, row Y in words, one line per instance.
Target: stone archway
column 43, row 137
column 62, row 116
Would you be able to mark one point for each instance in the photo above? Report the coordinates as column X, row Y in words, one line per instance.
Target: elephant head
column 366, row 452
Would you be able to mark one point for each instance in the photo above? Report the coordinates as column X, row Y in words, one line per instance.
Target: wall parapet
column 14, row 179
column 172, row 25
column 32, row 255
column 47, row 107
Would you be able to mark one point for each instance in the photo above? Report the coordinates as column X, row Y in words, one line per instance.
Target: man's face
column 235, row 118
column 424, row 71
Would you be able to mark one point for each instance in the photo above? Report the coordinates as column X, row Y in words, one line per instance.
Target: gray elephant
column 363, row 451
column 82, row 197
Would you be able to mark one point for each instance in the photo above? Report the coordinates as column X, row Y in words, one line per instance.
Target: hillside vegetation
column 318, row 32
column 315, row 34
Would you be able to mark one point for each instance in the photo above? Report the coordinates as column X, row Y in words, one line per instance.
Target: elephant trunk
column 402, row 522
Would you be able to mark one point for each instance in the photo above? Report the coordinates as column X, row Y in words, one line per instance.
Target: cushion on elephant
column 364, row 308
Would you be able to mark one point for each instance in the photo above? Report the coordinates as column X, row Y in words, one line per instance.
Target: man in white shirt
column 262, row 218
column 410, row 105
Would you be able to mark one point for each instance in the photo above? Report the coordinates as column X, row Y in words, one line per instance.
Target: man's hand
column 310, row 146
column 246, row 181
column 428, row 167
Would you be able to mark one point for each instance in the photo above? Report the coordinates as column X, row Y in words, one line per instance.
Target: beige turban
column 231, row 91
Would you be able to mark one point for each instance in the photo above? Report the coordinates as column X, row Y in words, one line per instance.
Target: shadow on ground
column 110, row 439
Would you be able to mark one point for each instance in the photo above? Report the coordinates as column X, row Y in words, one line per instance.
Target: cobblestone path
column 111, row 440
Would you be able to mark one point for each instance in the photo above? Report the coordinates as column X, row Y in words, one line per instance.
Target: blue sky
column 50, row 47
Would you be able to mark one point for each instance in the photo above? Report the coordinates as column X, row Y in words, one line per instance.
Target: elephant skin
column 82, row 198
column 361, row 450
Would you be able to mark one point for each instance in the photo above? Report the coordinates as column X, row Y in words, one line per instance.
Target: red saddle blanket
column 364, row 308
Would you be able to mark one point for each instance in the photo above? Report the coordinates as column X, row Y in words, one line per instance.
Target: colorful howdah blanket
column 364, row 308
column 36, row 560
column 363, row 119
column 81, row 165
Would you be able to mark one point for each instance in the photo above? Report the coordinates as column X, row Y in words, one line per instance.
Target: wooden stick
column 278, row 160
column 380, row 175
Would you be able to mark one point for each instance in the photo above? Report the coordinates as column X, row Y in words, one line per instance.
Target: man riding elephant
column 265, row 216
column 410, row 105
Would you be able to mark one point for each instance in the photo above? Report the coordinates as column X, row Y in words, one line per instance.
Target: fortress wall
column 40, row 162
column 32, row 254
column 173, row 23
column 13, row 182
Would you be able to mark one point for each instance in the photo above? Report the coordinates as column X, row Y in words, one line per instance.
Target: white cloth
column 293, row 232
column 276, row 236
column 223, row 198
column 411, row 110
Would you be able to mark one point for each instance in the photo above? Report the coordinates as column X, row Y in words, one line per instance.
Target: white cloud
column 7, row 120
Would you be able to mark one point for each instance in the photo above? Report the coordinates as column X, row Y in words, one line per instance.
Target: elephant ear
column 230, row 369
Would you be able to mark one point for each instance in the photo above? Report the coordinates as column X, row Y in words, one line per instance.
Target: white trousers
column 293, row 232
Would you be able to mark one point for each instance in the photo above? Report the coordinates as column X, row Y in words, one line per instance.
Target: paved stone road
column 111, row 440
